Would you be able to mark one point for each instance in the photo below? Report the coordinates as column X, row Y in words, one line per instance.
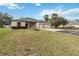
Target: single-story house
column 29, row 23
column 73, row 24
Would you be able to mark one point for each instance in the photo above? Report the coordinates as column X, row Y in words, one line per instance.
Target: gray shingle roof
column 26, row 19
column 30, row 20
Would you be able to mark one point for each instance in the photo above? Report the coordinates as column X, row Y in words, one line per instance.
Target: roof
column 26, row 19
column 74, row 23
column 43, row 22
column 30, row 20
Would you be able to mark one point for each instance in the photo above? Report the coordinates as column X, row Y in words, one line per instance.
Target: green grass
column 30, row 42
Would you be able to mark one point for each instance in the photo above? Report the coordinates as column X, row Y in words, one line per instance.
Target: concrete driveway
column 54, row 30
column 71, row 32
column 67, row 31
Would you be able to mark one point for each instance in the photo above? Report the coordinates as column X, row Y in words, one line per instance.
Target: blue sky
column 38, row 10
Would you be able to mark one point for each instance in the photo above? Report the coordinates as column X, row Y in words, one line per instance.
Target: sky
column 37, row 10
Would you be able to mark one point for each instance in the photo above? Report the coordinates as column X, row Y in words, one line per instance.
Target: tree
column 5, row 19
column 55, row 20
column 46, row 18
column 63, row 21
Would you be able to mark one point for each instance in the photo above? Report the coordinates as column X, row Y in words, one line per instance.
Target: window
column 18, row 24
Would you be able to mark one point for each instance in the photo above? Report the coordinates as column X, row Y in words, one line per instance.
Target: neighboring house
column 29, row 23
column 73, row 24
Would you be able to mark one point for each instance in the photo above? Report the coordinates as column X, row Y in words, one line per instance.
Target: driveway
column 67, row 31
column 54, row 30
column 71, row 32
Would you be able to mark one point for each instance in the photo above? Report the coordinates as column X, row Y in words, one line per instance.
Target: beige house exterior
column 13, row 23
column 73, row 24
column 43, row 25
column 30, row 23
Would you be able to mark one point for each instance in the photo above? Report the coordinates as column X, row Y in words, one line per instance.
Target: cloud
column 50, row 11
column 11, row 5
column 72, row 18
column 66, row 13
column 37, row 4
column 74, row 11
column 60, row 11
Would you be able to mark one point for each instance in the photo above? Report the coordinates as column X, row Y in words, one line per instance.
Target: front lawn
column 30, row 42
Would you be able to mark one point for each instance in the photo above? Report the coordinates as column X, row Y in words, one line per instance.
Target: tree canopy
column 56, row 20
column 46, row 17
column 5, row 19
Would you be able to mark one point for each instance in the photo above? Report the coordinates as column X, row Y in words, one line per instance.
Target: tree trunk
column 63, row 26
column 56, row 26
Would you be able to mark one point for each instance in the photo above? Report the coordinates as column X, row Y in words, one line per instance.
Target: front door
column 18, row 24
column 26, row 25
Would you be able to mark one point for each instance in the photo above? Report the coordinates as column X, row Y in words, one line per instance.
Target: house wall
column 32, row 25
column 13, row 23
column 75, row 26
column 23, row 24
column 43, row 25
